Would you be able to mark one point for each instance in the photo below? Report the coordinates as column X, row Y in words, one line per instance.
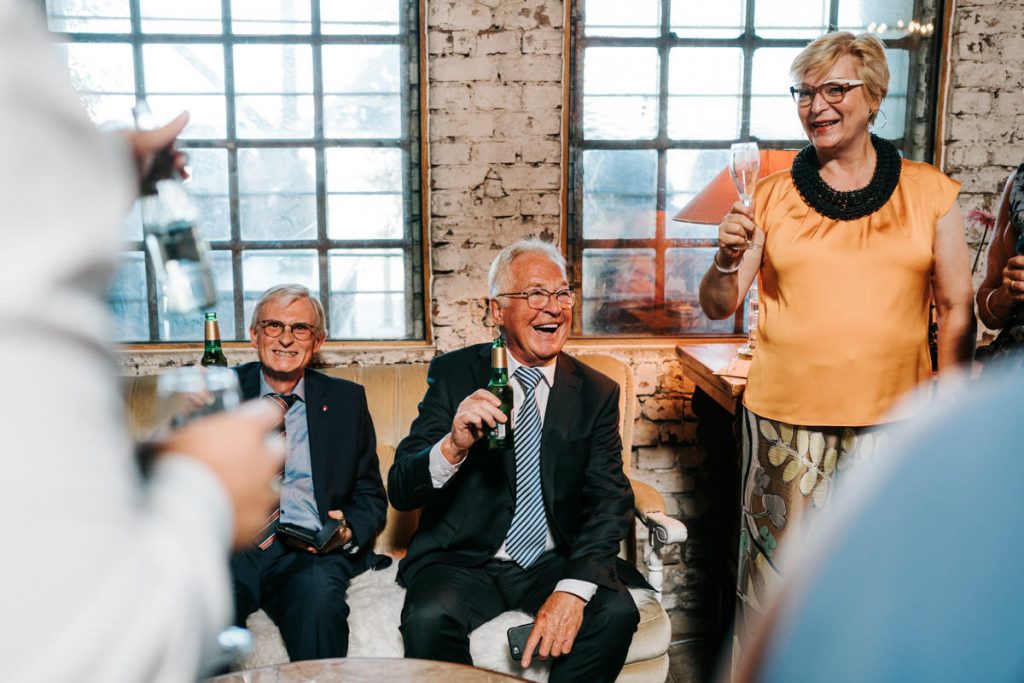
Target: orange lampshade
column 714, row 201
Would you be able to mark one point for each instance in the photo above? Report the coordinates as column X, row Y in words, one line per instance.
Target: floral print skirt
column 788, row 474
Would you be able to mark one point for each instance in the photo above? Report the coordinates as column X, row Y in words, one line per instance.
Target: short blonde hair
column 867, row 48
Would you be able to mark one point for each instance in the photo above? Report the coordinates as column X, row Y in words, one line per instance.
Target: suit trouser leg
column 443, row 604
column 303, row 593
column 609, row 621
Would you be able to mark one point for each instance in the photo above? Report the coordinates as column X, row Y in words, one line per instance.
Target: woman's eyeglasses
column 832, row 92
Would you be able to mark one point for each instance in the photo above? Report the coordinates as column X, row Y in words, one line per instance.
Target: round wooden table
column 365, row 670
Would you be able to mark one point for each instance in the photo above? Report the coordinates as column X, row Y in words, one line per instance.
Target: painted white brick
column 547, row 41
column 965, row 101
column 494, row 152
column 443, row 153
column 543, row 97
column 532, row 68
column 542, row 204
column 516, row 125
column 458, row 68
column 536, row 150
column 498, row 42
column 459, row 14
column 531, row 178
column 458, row 176
column 489, row 96
column 449, row 96
column 472, row 125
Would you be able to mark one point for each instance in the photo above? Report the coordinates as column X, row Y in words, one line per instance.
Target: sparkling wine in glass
column 744, row 167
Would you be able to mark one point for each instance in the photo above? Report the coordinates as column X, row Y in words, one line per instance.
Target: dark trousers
column 303, row 593
column 445, row 602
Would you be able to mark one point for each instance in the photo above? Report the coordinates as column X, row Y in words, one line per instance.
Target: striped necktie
column 528, row 533
column 266, row 535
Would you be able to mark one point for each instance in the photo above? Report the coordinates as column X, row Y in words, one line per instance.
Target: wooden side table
column 701, row 361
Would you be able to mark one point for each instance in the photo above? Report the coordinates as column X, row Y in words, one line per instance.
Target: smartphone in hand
column 517, row 637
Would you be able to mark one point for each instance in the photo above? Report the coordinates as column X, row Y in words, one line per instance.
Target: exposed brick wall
column 985, row 124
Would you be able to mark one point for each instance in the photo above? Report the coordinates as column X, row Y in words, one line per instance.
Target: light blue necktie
column 528, row 533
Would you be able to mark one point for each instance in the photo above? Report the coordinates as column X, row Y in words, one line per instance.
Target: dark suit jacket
column 342, row 450
column 587, row 496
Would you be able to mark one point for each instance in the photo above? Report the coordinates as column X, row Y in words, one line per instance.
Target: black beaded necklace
column 846, row 206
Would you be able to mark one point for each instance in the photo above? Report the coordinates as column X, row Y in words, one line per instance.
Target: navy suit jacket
column 588, row 499
column 342, row 450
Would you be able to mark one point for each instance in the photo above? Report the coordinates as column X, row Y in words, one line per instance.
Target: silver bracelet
column 988, row 305
column 725, row 271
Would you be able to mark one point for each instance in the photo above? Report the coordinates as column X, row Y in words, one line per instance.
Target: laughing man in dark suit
column 534, row 527
column 331, row 472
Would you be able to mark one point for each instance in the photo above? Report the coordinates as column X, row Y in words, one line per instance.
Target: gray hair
column 286, row 294
column 498, row 276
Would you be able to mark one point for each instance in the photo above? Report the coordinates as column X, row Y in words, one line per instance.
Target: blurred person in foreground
column 851, row 245
column 535, row 526
column 1002, row 291
column 331, row 472
column 915, row 575
column 105, row 577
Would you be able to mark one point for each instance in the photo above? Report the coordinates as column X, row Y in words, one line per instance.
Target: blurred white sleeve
column 103, row 578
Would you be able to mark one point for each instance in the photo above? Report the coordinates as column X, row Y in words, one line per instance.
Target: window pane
column 684, row 269
column 637, row 18
column 208, row 184
column 791, row 19
column 618, row 290
column 378, row 17
column 364, row 193
column 104, row 78
column 891, row 123
column 620, row 93
column 705, row 85
column 187, row 77
column 277, row 194
column 619, row 189
column 687, row 172
column 274, row 86
column 368, row 294
column 362, row 91
column 127, row 299
column 270, row 16
column 721, row 19
column 262, row 269
column 856, row 15
column 773, row 113
column 189, row 326
column 180, row 16
column 89, row 16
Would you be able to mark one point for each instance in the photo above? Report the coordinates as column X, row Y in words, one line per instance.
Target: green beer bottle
column 501, row 435
column 212, row 353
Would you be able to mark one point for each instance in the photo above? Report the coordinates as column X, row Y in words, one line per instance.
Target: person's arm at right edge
column 1003, row 286
column 721, row 293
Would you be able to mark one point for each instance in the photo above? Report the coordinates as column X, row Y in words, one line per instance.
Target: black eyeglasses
column 275, row 328
column 539, row 298
column 833, row 91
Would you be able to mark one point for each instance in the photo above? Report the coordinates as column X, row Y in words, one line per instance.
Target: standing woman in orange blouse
column 849, row 248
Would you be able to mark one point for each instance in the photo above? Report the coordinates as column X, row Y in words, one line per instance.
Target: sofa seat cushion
column 375, row 601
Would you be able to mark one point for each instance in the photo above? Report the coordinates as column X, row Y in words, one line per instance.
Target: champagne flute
column 744, row 167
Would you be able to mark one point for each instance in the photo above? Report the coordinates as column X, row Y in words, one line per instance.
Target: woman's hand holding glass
column 736, row 234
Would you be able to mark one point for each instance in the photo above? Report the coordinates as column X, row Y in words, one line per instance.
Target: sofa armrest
column 662, row 530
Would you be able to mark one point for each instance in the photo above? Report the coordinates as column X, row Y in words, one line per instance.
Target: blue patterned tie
column 528, row 533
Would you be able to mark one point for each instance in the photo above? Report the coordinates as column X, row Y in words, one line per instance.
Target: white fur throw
column 376, row 601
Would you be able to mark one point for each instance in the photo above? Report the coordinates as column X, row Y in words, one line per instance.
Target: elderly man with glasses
column 332, row 500
column 535, row 526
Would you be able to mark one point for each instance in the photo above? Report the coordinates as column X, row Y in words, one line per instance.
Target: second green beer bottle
column 212, row 353
column 501, row 435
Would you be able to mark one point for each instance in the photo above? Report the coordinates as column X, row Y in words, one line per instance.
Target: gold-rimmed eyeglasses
column 833, row 91
column 539, row 298
column 275, row 328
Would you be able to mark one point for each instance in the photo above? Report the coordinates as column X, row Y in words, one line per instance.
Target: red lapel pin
column 324, row 409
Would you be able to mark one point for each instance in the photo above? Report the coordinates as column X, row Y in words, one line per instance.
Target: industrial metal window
column 304, row 146
column 660, row 89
